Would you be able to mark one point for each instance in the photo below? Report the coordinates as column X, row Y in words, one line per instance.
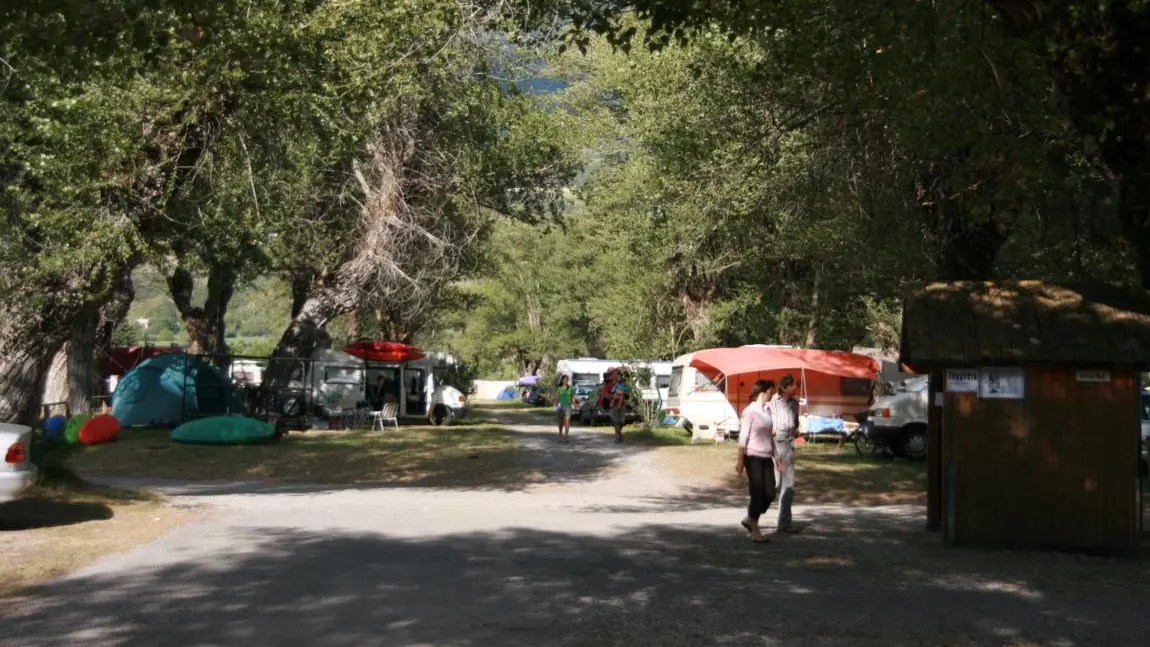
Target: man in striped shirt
column 784, row 409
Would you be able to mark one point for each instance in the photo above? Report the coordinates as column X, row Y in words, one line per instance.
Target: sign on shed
column 1092, row 376
column 962, row 380
column 1002, row 383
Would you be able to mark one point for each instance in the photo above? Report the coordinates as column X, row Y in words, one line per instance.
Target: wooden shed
column 1034, row 425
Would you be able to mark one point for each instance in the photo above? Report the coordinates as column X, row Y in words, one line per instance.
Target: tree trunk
column 813, row 320
column 353, row 325
column 391, row 327
column 81, row 350
column 307, row 331
column 966, row 246
column 300, row 291
column 76, row 373
column 204, row 324
column 56, row 383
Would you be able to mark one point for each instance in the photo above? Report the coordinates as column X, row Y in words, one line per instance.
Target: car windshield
column 916, row 384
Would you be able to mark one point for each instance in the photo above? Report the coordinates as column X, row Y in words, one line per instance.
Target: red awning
column 122, row 359
column 738, row 361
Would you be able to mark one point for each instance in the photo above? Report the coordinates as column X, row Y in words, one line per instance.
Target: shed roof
column 1025, row 322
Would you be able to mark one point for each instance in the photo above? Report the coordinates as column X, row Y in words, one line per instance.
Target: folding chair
column 385, row 415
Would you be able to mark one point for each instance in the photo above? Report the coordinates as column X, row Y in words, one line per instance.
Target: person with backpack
column 620, row 390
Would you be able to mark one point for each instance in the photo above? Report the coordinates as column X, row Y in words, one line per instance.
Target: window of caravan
column 706, row 384
column 855, row 386
column 662, row 381
column 675, row 381
column 586, row 378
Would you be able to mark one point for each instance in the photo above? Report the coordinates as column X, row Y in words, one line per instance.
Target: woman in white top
column 758, row 455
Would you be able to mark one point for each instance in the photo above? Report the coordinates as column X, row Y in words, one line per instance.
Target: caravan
column 585, row 370
column 657, row 388
column 709, row 387
column 700, row 401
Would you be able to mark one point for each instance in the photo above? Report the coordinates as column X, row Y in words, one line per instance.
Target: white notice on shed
column 1092, row 376
column 962, row 380
column 1003, row 383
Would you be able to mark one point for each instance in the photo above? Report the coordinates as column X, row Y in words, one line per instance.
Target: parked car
column 898, row 422
column 534, row 396
column 582, row 392
column 17, row 473
column 591, row 414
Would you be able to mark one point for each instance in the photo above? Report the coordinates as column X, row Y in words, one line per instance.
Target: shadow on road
column 35, row 512
column 531, row 587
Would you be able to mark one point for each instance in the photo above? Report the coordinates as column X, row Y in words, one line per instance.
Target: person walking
column 618, row 400
column 784, row 409
column 757, row 456
column 564, row 398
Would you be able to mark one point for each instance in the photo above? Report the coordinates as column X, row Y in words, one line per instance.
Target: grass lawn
column 826, row 474
column 463, row 456
column 58, row 529
column 504, row 404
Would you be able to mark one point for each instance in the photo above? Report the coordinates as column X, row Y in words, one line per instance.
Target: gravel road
column 625, row 557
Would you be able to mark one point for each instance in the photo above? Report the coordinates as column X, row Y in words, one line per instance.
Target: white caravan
column 699, row 401
column 658, row 389
column 419, row 388
column 585, row 370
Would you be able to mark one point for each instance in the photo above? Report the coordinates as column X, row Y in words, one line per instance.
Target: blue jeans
column 786, row 482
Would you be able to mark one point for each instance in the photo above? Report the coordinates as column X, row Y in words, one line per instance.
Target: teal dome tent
column 168, row 389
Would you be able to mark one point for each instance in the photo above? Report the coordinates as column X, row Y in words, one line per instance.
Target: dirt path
column 610, row 552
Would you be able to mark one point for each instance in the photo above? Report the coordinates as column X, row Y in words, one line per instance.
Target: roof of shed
column 1025, row 322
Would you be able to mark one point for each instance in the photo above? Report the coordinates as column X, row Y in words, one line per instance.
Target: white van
column 701, row 403
column 419, row 388
column 585, row 370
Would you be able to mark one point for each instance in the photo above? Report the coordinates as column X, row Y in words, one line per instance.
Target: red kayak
column 384, row 351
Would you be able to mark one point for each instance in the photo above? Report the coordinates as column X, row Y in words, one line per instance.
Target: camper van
column 700, row 401
column 419, row 388
column 340, row 383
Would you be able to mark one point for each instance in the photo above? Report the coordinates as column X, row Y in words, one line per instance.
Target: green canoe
column 224, row 430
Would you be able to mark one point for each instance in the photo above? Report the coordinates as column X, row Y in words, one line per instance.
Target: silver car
column 17, row 473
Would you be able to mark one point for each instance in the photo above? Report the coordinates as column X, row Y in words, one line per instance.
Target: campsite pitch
column 464, row 456
column 826, row 475
column 55, row 530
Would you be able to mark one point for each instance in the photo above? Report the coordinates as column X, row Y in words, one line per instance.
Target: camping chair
column 385, row 415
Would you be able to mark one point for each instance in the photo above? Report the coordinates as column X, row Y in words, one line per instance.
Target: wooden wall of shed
column 1057, row 469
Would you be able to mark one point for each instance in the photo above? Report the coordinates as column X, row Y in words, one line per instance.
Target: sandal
column 761, row 540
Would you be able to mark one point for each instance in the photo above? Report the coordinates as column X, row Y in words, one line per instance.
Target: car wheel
column 912, row 443
column 864, row 446
column 441, row 416
column 291, row 407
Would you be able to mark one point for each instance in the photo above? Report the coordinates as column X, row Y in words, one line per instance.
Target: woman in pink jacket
column 758, row 456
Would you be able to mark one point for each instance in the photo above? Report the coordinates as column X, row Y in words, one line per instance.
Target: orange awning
column 737, row 361
column 820, row 374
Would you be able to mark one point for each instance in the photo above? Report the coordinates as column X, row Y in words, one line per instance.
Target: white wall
column 490, row 389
